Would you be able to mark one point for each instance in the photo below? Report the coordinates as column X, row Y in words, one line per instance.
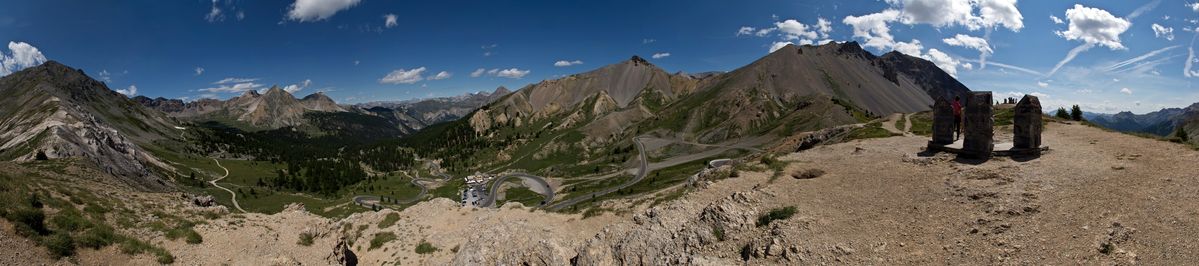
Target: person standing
column 957, row 117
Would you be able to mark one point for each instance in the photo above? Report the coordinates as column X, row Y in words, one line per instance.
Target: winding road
column 641, row 173
column 495, row 186
column 368, row 200
column 213, row 182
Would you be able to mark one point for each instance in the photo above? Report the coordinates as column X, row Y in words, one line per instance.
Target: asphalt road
column 641, row 173
column 495, row 186
column 367, row 200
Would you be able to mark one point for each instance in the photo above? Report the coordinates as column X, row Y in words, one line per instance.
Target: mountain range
column 1163, row 122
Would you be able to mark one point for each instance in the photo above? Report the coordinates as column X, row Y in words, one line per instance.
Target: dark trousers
column 957, row 126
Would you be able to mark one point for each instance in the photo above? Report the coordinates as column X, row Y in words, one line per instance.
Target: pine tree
column 1076, row 113
column 1181, row 134
column 1062, row 113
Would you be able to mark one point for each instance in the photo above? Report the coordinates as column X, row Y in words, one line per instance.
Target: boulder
column 204, row 201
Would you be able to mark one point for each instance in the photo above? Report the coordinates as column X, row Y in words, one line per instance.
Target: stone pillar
column 942, row 122
column 1027, row 124
column 978, row 128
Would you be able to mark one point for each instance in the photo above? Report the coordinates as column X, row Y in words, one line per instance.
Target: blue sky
column 366, row 50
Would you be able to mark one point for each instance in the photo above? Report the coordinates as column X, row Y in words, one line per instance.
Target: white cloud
column 778, row 45
column 1194, row 6
column 104, row 76
column 764, row 32
column 793, row 30
column 565, row 63
column 317, row 10
column 1084, row 91
column 1135, row 60
column 512, row 73
column 1042, row 84
column 389, row 20
column 293, row 88
column 944, row 61
column 745, row 30
column 943, row 13
column 913, row 48
column 403, row 76
column 441, row 75
column 976, row 43
column 235, row 88
column 131, row 91
column 21, row 55
column 873, row 28
column 235, row 80
column 1126, row 91
column 968, row 66
column 824, row 27
column 660, row 55
column 199, row 71
column 1094, row 26
column 1056, row 20
column 1000, row 12
column 477, row 73
column 1160, row 31
column 215, row 13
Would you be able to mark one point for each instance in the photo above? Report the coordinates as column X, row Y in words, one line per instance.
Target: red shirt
column 957, row 108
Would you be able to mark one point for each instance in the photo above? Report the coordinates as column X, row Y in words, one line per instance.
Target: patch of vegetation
column 523, row 195
column 922, row 123
column 425, row 248
column 184, row 229
column 306, row 239
column 389, row 220
column 776, row 214
column 1004, row 117
column 718, row 232
column 381, row 238
column 807, row 174
column 60, row 244
column 869, row 131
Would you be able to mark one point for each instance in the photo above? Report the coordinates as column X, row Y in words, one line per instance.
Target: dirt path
column 213, row 182
column 889, row 123
column 907, row 124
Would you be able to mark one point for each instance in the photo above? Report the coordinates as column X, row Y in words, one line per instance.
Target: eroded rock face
column 342, row 255
column 978, row 127
column 1027, row 123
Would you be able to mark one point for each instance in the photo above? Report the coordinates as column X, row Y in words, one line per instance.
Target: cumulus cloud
column 233, row 87
column 873, row 28
column 1160, row 31
column 389, row 20
column 512, row 73
column 565, row 63
column 130, row 92
column 441, row 75
column 477, row 73
column 1094, row 26
column 944, row 61
column 1042, row 84
column 293, row 88
column 1056, row 20
column 1126, row 91
column 660, row 55
column 20, row 56
column 793, row 30
column 943, row 13
column 199, row 71
column 317, row 10
column 403, row 76
column 778, row 45
column 913, row 48
column 824, row 27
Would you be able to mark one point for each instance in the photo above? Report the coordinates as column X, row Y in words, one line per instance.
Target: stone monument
column 1027, row 124
column 978, row 127
column 942, row 122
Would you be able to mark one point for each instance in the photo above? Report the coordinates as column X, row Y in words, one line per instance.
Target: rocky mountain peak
column 501, row 91
column 637, row 60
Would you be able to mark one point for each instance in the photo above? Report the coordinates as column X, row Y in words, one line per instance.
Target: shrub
column 60, row 244
column 305, row 239
column 380, row 239
column 425, row 248
column 1181, row 134
column 70, row 220
column 776, row 214
column 29, row 222
column 98, row 237
column 718, row 232
column 389, row 220
column 807, row 174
